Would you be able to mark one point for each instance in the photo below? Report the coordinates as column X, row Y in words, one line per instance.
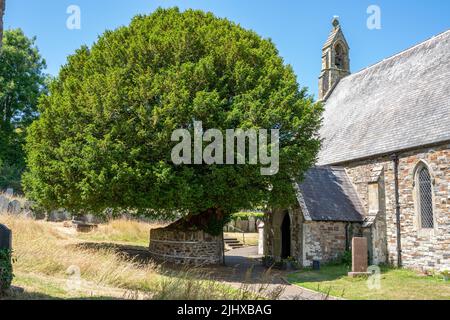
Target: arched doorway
column 286, row 236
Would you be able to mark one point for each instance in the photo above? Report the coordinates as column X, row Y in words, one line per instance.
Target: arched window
column 339, row 57
column 424, row 197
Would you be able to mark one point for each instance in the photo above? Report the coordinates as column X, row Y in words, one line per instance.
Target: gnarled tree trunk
column 211, row 221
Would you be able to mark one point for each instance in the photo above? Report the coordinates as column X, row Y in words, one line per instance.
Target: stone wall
column 421, row 248
column 185, row 247
column 326, row 241
column 310, row 240
column 272, row 233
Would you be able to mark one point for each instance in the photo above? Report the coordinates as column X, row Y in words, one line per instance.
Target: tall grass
column 126, row 231
column 49, row 250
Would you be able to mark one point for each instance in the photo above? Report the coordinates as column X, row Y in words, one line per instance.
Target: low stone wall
column 185, row 247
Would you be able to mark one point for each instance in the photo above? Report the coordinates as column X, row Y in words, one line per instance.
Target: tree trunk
column 210, row 221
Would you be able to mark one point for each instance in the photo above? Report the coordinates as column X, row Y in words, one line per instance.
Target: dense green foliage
column 104, row 136
column 244, row 215
column 6, row 272
column 21, row 83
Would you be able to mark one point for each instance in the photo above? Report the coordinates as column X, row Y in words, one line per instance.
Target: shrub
column 243, row 215
column 6, row 272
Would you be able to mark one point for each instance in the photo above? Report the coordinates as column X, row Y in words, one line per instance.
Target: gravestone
column 14, row 207
column 4, row 201
column 251, row 224
column 5, row 237
column 359, row 257
column 59, row 215
column 261, row 238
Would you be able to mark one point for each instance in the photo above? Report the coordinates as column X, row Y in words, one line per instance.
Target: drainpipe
column 395, row 160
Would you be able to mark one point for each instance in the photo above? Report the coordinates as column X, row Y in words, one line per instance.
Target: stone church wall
column 325, row 241
column 272, row 233
column 310, row 240
column 421, row 248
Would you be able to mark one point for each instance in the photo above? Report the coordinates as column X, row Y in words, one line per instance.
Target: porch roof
column 327, row 194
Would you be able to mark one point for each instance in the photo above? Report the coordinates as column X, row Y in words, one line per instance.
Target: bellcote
column 335, row 60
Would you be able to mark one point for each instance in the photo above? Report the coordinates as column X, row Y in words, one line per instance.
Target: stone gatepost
column 261, row 238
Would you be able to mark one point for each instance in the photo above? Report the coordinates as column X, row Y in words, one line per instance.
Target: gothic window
column 339, row 57
column 424, row 197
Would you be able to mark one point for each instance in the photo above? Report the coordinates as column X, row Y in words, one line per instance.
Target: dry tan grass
column 44, row 250
column 40, row 248
column 125, row 231
column 14, row 197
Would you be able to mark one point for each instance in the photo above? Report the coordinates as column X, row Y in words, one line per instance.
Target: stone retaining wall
column 185, row 247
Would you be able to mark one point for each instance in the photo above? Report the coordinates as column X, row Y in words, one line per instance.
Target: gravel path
column 244, row 269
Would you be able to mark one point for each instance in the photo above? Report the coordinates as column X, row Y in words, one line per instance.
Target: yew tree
column 103, row 140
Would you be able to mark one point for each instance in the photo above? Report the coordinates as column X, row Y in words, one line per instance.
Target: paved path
column 244, row 270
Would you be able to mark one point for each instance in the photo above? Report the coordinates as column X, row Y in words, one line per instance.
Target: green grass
column 38, row 287
column 244, row 215
column 395, row 284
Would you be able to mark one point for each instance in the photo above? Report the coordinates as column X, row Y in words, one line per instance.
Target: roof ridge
column 399, row 53
column 329, row 166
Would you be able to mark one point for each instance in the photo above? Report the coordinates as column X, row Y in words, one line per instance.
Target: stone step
column 232, row 241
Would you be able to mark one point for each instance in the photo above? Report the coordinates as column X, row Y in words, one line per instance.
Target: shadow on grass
column 139, row 254
column 239, row 269
column 16, row 293
column 326, row 273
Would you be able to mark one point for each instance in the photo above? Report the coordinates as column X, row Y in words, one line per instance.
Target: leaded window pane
column 426, row 199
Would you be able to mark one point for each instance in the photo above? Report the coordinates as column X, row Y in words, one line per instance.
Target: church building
column 383, row 171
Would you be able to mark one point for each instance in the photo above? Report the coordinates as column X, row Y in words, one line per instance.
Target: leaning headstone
column 359, row 257
column 14, row 207
column 59, row 215
column 9, row 192
column 34, row 211
column 4, row 201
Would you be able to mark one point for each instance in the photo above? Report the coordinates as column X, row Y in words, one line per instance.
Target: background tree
column 104, row 136
column 2, row 12
column 22, row 81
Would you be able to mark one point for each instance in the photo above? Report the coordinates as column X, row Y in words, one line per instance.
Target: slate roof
column 327, row 194
column 400, row 103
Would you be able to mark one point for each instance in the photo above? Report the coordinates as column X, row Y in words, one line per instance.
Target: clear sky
column 298, row 27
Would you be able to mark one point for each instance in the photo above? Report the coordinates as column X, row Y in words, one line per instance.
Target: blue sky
column 298, row 27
